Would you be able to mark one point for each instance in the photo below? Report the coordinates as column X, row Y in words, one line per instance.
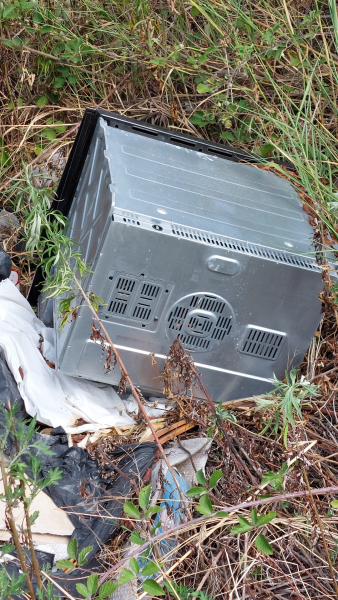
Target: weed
column 223, row 414
column 22, row 481
column 276, row 480
column 285, row 401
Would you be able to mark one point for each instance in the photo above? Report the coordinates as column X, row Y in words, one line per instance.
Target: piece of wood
column 165, row 437
column 169, row 428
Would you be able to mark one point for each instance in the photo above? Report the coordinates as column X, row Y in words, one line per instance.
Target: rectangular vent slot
column 176, row 318
column 246, row 247
column 183, row 142
column 220, row 152
column 207, row 303
column 149, row 290
column 144, row 130
column 146, row 301
column 190, row 341
column 134, row 298
column 122, row 296
column 262, row 343
column 223, row 328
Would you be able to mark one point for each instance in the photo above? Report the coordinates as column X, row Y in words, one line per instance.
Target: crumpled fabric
column 55, row 399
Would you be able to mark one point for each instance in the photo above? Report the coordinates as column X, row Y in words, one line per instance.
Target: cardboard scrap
column 52, row 525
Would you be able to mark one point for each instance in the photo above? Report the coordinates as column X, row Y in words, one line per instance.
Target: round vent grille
column 202, row 321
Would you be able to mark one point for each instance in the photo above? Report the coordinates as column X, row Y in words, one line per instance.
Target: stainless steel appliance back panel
column 185, row 244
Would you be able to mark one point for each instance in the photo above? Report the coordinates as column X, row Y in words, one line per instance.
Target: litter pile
column 90, row 426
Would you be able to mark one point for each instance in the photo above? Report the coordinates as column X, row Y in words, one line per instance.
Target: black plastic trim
column 73, row 169
column 174, row 138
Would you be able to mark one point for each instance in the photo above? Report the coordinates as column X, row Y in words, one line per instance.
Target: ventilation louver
column 262, row 343
column 146, row 301
column 202, row 321
column 288, row 258
column 133, row 298
column 122, row 295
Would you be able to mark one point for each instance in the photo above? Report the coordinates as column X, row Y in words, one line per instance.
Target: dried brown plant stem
column 31, row 544
column 320, row 524
column 309, row 574
column 221, row 425
column 14, row 529
column 209, row 570
column 134, row 391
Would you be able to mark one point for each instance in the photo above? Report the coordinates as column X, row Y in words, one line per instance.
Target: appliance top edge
column 227, row 198
column 221, row 242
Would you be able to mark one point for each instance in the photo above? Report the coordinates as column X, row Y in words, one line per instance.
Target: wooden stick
column 173, row 427
column 175, row 432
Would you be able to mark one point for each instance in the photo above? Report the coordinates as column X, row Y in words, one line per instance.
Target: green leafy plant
column 276, row 479
column 91, row 588
column 11, row 585
column 225, row 415
column 202, row 118
column 23, row 480
column 245, row 525
column 65, row 76
column 54, row 127
column 183, row 592
column 44, row 230
column 4, row 154
column 34, row 207
column 285, row 402
column 142, row 513
column 77, row 559
column 205, row 507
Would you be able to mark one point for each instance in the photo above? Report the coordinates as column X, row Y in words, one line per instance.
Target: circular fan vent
column 202, row 321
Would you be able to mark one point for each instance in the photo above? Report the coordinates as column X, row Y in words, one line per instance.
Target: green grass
column 261, row 76
column 254, row 75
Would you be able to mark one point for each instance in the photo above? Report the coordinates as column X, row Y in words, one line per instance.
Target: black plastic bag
column 8, row 387
column 5, row 264
column 13, row 567
column 93, row 503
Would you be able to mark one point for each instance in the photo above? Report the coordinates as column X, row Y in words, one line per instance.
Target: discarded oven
column 184, row 240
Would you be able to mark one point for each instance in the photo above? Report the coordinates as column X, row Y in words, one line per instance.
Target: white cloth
column 54, row 398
